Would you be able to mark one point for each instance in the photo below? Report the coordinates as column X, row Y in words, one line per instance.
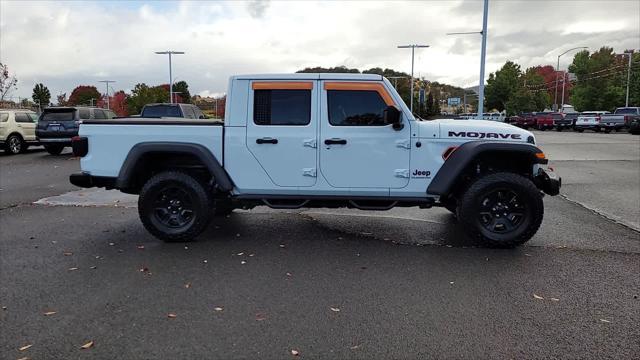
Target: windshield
column 161, row 111
column 630, row 111
column 67, row 115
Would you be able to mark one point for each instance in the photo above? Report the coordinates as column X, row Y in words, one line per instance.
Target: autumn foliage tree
column 8, row 82
column 117, row 103
column 83, row 95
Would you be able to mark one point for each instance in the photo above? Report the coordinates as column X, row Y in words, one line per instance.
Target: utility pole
column 170, row 52
column 630, row 55
column 413, row 49
column 107, row 82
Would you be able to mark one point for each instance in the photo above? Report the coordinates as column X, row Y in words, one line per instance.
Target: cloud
column 65, row 44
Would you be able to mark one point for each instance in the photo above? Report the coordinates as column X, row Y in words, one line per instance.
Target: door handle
column 335, row 141
column 266, row 141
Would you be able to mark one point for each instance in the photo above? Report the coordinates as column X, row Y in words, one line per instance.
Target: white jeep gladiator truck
column 319, row 140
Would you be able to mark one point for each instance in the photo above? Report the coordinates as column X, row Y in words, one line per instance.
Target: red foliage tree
column 550, row 76
column 176, row 97
column 117, row 103
column 83, row 95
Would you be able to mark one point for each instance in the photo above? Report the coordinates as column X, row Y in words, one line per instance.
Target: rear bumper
column 61, row 141
column 548, row 181
column 85, row 180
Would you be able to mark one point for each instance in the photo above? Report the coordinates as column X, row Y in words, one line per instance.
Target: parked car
column 561, row 121
column 543, row 121
column 526, row 120
column 589, row 120
column 634, row 126
column 57, row 125
column 17, row 130
column 571, row 117
column 188, row 111
column 282, row 147
column 620, row 119
column 513, row 119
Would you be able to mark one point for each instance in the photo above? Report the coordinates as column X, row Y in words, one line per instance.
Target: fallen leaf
column 172, row 316
column 538, row 297
column 204, row 261
column 218, row 308
column 87, row 345
column 605, row 320
column 186, row 248
column 240, row 254
column 73, row 269
column 525, row 254
column 141, row 247
column 335, row 309
column 25, row 347
column 111, row 244
column 252, row 255
column 49, row 313
column 554, row 299
column 67, row 253
column 295, row 352
column 451, row 282
column 93, row 267
column 243, row 262
column 187, row 285
column 282, row 245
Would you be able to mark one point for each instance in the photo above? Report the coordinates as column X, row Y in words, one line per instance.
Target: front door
column 282, row 131
column 357, row 149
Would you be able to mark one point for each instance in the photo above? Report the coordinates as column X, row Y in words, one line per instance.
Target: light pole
column 555, row 97
column 170, row 52
column 107, row 82
column 483, row 55
column 630, row 55
column 413, row 50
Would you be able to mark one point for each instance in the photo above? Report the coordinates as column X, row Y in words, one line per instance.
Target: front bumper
column 548, row 181
column 86, row 180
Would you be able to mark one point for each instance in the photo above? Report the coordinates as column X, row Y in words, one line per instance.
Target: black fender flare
column 458, row 161
column 127, row 171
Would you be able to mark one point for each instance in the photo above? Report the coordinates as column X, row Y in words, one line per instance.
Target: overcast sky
column 65, row 44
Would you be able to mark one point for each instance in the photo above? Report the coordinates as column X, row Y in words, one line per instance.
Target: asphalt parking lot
column 323, row 283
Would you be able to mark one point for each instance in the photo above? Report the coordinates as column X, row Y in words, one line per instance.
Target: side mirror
column 392, row 116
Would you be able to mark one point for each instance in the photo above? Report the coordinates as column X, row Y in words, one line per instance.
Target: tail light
column 598, row 119
column 80, row 145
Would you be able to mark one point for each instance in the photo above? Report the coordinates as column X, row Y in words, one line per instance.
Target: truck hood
column 475, row 130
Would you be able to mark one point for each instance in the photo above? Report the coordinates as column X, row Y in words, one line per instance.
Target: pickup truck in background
column 562, row 121
column 589, row 120
column 620, row 119
column 525, row 120
column 543, row 121
column 319, row 140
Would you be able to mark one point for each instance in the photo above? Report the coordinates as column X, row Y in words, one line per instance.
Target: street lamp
column 413, row 49
column 555, row 98
column 170, row 52
column 483, row 55
column 106, row 82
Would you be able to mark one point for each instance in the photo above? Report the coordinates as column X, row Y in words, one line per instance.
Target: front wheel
column 174, row 206
column 501, row 209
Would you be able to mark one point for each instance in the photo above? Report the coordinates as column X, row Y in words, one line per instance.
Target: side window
column 4, row 117
column 355, row 108
column 188, row 112
column 34, row 117
column 98, row 114
column 282, row 107
column 84, row 114
column 22, row 117
column 110, row 114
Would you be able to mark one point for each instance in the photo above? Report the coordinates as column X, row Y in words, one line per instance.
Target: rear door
column 282, row 130
column 57, row 123
column 27, row 125
column 357, row 149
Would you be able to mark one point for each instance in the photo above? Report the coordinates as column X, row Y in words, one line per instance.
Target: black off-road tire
column 14, row 145
column 176, row 223
column 529, row 203
column 54, row 149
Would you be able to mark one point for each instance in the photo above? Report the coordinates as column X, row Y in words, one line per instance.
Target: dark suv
column 57, row 125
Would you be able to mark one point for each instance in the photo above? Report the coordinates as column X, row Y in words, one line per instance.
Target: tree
column 84, row 95
column 502, row 85
column 430, row 107
column 41, row 95
column 62, row 99
column 182, row 88
column 8, row 82
column 142, row 94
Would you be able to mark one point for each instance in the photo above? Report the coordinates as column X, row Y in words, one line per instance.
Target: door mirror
column 392, row 116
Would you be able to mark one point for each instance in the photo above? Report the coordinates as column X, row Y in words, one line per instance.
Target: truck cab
column 316, row 140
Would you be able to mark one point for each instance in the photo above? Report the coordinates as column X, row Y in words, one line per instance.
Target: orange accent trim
column 540, row 155
column 282, row 85
column 448, row 152
column 371, row 86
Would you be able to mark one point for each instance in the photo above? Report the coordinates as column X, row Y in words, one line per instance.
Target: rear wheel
column 14, row 144
column 54, row 149
column 501, row 209
column 174, row 206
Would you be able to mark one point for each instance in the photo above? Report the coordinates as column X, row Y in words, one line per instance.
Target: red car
column 525, row 120
column 543, row 121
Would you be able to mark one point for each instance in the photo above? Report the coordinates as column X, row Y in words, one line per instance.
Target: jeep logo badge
column 421, row 173
column 482, row 135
